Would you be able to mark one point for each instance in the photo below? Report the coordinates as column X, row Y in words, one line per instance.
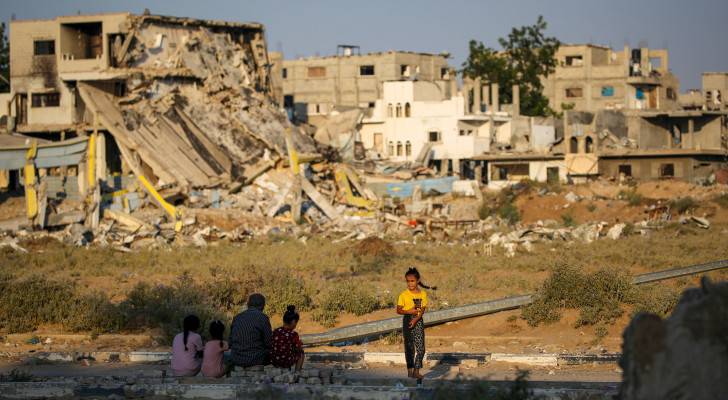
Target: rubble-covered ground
column 144, row 284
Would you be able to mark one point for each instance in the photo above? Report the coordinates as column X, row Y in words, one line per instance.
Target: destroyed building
column 311, row 87
column 592, row 78
column 712, row 95
column 187, row 98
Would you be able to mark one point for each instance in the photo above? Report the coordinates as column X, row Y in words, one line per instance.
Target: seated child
column 287, row 348
column 187, row 348
column 212, row 359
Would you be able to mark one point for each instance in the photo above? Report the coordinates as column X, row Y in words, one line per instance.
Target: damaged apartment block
column 180, row 103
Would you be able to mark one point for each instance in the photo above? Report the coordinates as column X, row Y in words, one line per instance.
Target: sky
column 694, row 31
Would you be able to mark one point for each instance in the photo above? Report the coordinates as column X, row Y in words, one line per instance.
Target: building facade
column 592, row 78
column 312, row 87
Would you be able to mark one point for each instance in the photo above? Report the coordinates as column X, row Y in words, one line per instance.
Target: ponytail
column 217, row 330
column 414, row 272
column 190, row 324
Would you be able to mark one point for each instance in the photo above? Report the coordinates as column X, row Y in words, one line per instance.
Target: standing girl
column 412, row 304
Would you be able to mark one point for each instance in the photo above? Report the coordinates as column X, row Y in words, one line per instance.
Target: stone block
column 313, row 381
column 469, row 363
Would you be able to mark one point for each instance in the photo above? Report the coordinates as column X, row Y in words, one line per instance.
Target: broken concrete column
column 495, row 100
column 682, row 357
column 516, row 103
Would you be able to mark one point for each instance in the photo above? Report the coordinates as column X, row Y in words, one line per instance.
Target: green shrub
column 656, row 299
column 598, row 296
column 631, row 196
column 280, row 289
column 509, row 212
column 568, row 220
column 485, row 210
column 721, row 200
column 684, row 204
column 591, row 207
column 351, row 297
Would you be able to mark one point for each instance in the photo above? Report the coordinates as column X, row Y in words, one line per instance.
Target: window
column 607, row 91
column 589, row 145
column 398, row 112
column 371, row 104
column 433, row 136
column 119, row 88
column 470, row 132
column 573, row 145
column 44, row 47
column 316, row 72
column 284, row 73
column 462, row 132
column 407, row 110
column 510, row 172
column 574, row 92
column 626, row 170
column 87, row 42
column 399, row 148
column 667, row 170
column 444, row 73
column 366, row 70
column 408, row 148
column 639, row 94
column 574, row 61
column 670, row 92
column 389, row 110
column 390, row 148
column 45, row 100
column 404, row 70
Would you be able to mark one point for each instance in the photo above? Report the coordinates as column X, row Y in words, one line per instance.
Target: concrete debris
column 615, row 232
column 571, row 197
column 682, row 357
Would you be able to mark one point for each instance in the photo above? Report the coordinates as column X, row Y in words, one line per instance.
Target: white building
column 412, row 114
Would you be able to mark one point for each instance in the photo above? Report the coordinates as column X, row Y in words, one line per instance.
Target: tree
column 527, row 56
column 4, row 60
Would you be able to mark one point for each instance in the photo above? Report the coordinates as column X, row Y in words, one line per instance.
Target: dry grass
column 288, row 271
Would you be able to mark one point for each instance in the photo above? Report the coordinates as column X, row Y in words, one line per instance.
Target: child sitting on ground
column 212, row 359
column 187, row 348
column 287, row 348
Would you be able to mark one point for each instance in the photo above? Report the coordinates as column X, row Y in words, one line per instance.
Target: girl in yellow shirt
column 412, row 304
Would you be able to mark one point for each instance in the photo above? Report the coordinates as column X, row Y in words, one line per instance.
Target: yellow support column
column 31, row 196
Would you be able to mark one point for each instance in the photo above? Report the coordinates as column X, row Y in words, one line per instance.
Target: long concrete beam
column 381, row 327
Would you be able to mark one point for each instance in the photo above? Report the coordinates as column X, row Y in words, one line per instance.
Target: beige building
column 592, row 78
column 713, row 95
column 312, row 87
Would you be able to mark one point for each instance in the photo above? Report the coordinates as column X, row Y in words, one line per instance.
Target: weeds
column 591, row 207
column 344, row 297
column 683, row 204
column 633, row 198
column 568, row 220
column 501, row 206
column 393, row 338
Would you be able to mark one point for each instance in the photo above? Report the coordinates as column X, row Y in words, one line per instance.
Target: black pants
column 414, row 342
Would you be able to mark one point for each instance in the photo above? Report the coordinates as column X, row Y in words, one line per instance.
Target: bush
column 598, row 296
column 509, row 212
column 721, row 200
column 568, row 220
column 684, row 204
column 655, row 299
column 591, row 207
column 631, row 196
column 281, row 289
column 348, row 297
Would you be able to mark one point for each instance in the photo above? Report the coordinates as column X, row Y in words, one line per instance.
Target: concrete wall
column 715, row 87
column 342, row 83
column 687, row 168
column 602, row 77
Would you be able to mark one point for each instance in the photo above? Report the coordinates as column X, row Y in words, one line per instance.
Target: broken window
column 45, row 100
column 574, row 61
column 370, row 104
column 574, row 92
column 552, row 174
column 670, row 93
column 44, row 47
column 470, row 132
column 573, row 145
column 433, row 136
column 667, row 170
column 399, row 148
column 404, row 70
column 284, row 73
column 462, row 132
column 506, row 172
column 444, row 73
column 626, row 170
column 607, row 91
column 81, row 41
column 120, row 88
column 408, row 148
column 366, row 70
column 316, row 72
column 407, row 110
column 589, row 145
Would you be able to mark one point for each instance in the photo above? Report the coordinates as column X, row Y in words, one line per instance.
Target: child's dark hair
column 290, row 315
column 190, row 323
column 217, row 330
column 414, row 272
